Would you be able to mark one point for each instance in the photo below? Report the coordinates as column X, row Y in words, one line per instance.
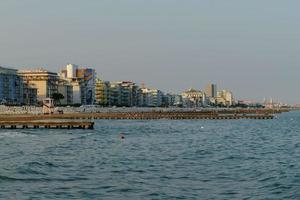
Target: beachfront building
column 82, row 80
column 168, row 100
column 29, row 94
column 66, row 89
column 115, row 91
column 44, row 81
column 193, row 98
column 11, row 87
column 211, row 90
column 178, row 101
column 129, row 96
column 151, row 98
column 123, row 93
column 79, row 95
column 224, row 98
column 102, row 92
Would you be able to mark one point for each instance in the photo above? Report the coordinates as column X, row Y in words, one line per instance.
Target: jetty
column 84, row 120
column 45, row 124
column 177, row 115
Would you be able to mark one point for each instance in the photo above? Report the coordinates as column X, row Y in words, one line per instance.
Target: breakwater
column 35, row 110
column 172, row 115
column 84, row 120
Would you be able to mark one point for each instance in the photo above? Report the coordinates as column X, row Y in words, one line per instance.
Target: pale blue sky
column 251, row 47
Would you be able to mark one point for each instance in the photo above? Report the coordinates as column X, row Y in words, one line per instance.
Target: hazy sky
column 250, row 47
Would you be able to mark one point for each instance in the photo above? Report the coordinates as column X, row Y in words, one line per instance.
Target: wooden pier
column 45, row 124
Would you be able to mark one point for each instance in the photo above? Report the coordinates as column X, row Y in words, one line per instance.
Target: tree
column 57, row 97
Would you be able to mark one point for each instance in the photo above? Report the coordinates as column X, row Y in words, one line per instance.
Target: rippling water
column 189, row 159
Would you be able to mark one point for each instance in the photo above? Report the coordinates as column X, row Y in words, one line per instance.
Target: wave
column 46, row 179
column 14, row 134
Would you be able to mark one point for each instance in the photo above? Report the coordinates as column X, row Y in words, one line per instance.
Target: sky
column 249, row 47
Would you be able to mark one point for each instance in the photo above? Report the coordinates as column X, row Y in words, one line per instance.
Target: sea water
column 158, row 159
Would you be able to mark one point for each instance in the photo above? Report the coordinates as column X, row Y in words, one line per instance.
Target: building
column 224, row 98
column 79, row 96
column 46, row 82
column 66, row 89
column 211, row 90
column 129, row 95
column 151, row 98
column 11, row 87
column 178, row 101
column 115, row 91
column 88, row 75
column 193, row 98
column 83, row 81
column 29, row 94
column 102, row 92
column 124, row 93
column 168, row 100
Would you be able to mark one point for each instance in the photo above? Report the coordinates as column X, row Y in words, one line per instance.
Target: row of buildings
column 80, row 86
column 129, row 94
column 210, row 97
column 29, row 87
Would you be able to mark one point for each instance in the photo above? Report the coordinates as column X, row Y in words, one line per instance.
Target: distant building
column 151, row 98
column 29, row 94
column 178, row 101
column 83, row 81
column 168, row 100
column 46, row 82
column 115, row 91
column 71, row 70
column 102, row 92
column 66, row 89
column 129, row 96
column 11, row 87
column 88, row 75
column 224, row 98
column 193, row 98
column 78, row 91
column 211, row 90
column 123, row 93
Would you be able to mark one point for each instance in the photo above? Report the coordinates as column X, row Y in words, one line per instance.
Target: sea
column 157, row 159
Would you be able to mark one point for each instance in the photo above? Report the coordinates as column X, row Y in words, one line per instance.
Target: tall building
column 11, row 87
column 123, row 93
column 193, row 98
column 66, row 89
column 151, row 98
column 88, row 75
column 168, row 100
column 115, row 91
column 71, row 70
column 225, row 98
column 102, row 92
column 178, row 101
column 29, row 94
column 83, row 81
column 129, row 93
column 211, row 90
column 46, row 82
